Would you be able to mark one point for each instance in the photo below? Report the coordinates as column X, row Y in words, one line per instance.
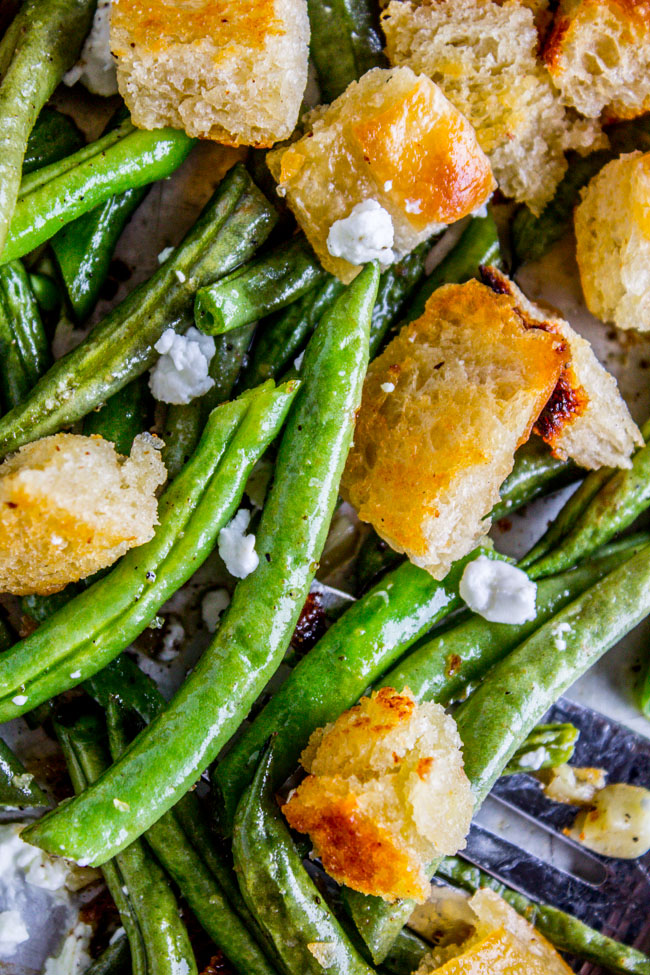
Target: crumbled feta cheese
column 181, row 373
column 298, row 361
column 38, row 868
column 75, row 675
column 13, row 932
column 172, row 640
column 122, row 806
column 74, row 956
column 181, row 275
column 236, row 548
column 533, row 759
column 164, row 254
column 388, row 387
column 498, row 591
column 366, row 234
column 19, row 700
column 213, row 605
column 95, row 68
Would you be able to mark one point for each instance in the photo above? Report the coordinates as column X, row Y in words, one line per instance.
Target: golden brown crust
column 69, row 505
column 354, row 849
column 456, row 372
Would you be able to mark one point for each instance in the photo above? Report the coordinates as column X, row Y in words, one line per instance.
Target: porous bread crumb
column 386, row 794
column 502, row 942
column 70, row 505
column 220, row 69
column 598, row 54
column 484, row 57
column 429, row 457
column 586, row 418
column 612, row 225
column 391, row 137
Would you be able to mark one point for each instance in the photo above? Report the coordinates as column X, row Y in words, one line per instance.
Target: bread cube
column 612, row 225
column 386, row 794
column 586, row 418
column 70, row 505
column 598, row 54
column 393, row 138
column 220, row 69
column 444, row 408
column 483, row 55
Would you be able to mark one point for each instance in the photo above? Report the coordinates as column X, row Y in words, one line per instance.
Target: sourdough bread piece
column 443, row 410
column 598, row 53
column 220, row 69
column 586, row 418
column 612, row 225
column 391, row 137
column 484, row 57
column 70, row 505
column 386, row 794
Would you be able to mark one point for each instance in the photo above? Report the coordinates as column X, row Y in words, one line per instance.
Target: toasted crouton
column 586, row 418
column 598, row 53
column 70, row 505
column 484, row 57
column 391, row 137
column 220, row 69
column 387, row 794
column 444, row 408
column 612, row 225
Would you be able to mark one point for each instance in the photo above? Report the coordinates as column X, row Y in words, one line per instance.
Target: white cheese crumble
column 533, row 759
column 13, row 932
column 74, row 956
column 181, row 373
column 213, row 605
column 164, row 254
column 366, row 234
column 236, row 548
column 75, row 675
column 95, row 68
column 172, row 640
column 122, row 806
column 388, row 387
column 37, row 867
column 19, row 700
column 498, row 591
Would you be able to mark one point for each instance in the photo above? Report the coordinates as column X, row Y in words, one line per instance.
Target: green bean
column 84, row 248
column 234, row 222
column 617, row 502
column 567, row 933
column 265, row 285
column 354, row 652
column 345, row 43
column 115, row 959
column 24, row 350
column 95, row 626
column 645, row 690
column 54, row 196
column 519, row 690
column 477, row 245
column 167, row 757
column 40, row 45
column 556, row 741
column 123, row 681
column 122, row 417
column 54, row 136
column 406, row 953
column 46, row 291
column 17, row 786
column 533, row 236
column 283, row 336
column 443, row 668
column 279, row 891
column 395, row 287
column 535, row 473
column 191, row 875
column 149, row 911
